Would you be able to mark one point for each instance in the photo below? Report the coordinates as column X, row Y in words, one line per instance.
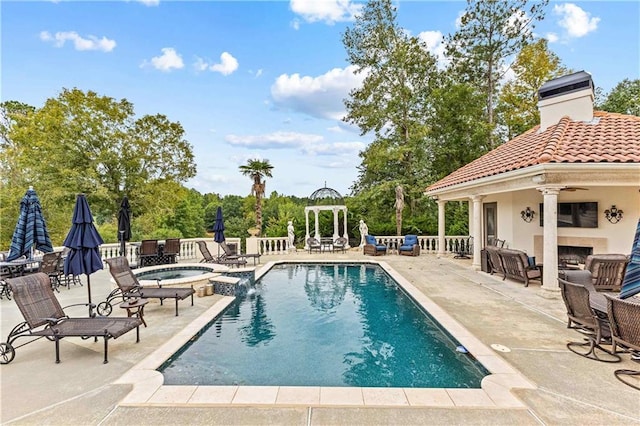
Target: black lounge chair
column 222, row 260
column 583, row 318
column 129, row 287
column 624, row 316
column 44, row 317
column 230, row 254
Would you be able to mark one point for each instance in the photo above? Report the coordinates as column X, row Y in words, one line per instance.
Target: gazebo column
column 441, row 227
column 477, row 231
column 335, row 223
column 317, row 224
column 345, row 234
column 307, row 236
column 550, row 238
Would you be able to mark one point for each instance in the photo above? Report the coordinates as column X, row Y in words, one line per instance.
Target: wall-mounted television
column 575, row 215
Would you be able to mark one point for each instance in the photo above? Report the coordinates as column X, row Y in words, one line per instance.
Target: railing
column 272, row 245
column 429, row 244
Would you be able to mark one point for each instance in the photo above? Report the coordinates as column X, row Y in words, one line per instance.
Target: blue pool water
column 173, row 273
column 324, row 325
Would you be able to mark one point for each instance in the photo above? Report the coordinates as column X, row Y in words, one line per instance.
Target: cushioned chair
column 624, row 316
column 516, row 266
column 607, row 270
column 372, row 247
column 495, row 261
column 409, row 246
column 314, row 244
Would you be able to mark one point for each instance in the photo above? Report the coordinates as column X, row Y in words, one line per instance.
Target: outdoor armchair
column 624, row 316
column 171, row 249
column 340, row 244
column 148, row 252
column 314, row 244
column 44, row 317
column 371, row 246
column 409, row 246
column 607, row 270
column 129, row 287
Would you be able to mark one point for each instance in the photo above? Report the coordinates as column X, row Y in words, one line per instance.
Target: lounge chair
column 148, row 252
column 624, row 316
column 340, row 244
column 129, row 287
column 372, row 248
column 409, row 246
column 582, row 317
column 314, row 244
column 607, row 270
column 171, row 250
column 232, row 254
column 44, row 317
column 208, row 258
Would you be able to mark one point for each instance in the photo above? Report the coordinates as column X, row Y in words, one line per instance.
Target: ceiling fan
column 574, row 188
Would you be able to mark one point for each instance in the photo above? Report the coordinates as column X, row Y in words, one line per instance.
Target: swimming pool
column 324, row 325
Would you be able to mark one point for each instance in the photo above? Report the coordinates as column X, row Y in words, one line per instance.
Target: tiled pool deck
column 534, row 379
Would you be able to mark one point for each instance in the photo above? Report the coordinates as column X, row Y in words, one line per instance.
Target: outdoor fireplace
column 573, row 255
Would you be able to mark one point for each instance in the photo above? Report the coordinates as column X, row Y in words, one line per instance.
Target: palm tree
column 257, row 169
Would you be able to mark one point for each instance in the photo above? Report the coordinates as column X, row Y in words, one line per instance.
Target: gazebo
column 326, row 199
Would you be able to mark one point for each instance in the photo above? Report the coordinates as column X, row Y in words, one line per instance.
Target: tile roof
column 608, row 138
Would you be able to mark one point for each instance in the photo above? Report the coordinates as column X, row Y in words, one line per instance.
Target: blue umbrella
column 31, row 229
column 218, row 228
column 631, row 282
column 83, row 241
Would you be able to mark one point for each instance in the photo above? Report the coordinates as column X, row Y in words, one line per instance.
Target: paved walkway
column 528, row 323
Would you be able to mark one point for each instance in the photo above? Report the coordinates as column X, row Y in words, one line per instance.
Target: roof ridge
column 553, row 143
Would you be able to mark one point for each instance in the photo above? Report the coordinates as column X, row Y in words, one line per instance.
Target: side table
column 135, row 308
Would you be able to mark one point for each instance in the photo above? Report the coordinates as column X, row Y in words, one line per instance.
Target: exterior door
column 490, row 216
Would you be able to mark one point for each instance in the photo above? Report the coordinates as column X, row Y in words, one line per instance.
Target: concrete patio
column 528, row 323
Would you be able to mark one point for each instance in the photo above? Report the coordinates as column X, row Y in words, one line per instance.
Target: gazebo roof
column 324, row 196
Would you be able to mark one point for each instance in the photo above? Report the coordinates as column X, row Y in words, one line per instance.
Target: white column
column 335, row 223
column 306, row 219
column 477, row 231
column 346, row 234
column 441, row 227
column 550, row 239
column 317, row 225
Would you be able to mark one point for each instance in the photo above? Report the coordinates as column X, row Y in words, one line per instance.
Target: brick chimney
column 570, row 95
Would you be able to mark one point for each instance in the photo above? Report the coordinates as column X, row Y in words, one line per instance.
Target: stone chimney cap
column 566, row 84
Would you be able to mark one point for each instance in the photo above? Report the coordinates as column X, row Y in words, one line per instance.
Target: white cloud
column 328, row 11
column 435, row 45
column 575, row 20
column 552, row 37
column 149, row 2
column 170, row 59
column 276, row 140
column 227, row 65
column 79, row 43
column 319, row 96
column 336, row 148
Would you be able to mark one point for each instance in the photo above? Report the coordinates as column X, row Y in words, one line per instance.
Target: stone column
column 441, row 227
column 550, row 238
column 477, row 231
column 317, row 224
column 346, row 234
column 336, row 210
column 306, row 236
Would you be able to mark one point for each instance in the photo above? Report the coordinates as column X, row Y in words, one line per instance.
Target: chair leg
column 176, row 306
column 592, row 353
column 106, row 349
column 57, row 340
column 624, row 372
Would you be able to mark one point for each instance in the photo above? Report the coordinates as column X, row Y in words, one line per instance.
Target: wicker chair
column 230, row 254
column 129, row 287
column 148, row 252
column 51, row 266
column 44, row 317
column 624, row 316
column 314, row 244
column 583, row 318
column 340, row 244
column 208, row 258
column 495, row 261
column 372, row 247
column 171, row 249
column 516, row 266
column 409, row 246
column 607, row 270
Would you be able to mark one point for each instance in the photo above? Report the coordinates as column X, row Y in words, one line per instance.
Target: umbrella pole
column 89, row 291
column 122, row 243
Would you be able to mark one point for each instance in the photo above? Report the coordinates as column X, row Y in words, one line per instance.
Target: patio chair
column 495, row 261
column 624, row 316
column 50, row 265
column 68, row 279
column 340, row 244
column 372, row 248
column 582, row 317
column 314, row 244
column 607, row 270
column 44, row 317
column 129, row 287
column 230, row 254
column 208, row 258
column 171, row 249
column 409, row 246
column 148, row 252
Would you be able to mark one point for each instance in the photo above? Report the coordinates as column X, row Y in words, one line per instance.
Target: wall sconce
column 527, row 214
column 613, row 215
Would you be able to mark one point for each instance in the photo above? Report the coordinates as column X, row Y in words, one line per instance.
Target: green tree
column 624, row 98
column 257, row 170
column 491, row 32
column 517, row 107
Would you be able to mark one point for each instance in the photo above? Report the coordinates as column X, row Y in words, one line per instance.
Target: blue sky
column 259, row 79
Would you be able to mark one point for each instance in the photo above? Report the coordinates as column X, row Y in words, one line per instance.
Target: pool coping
column 495, row 392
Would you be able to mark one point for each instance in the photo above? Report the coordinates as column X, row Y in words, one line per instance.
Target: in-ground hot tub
column 179, row 274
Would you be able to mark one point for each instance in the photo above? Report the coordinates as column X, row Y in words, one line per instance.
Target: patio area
column 526, row 325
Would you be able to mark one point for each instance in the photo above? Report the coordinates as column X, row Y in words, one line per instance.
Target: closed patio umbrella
column 218, row 228
column 124, row 224
column 83, row 241
column 631, row 282
column 31, row 229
